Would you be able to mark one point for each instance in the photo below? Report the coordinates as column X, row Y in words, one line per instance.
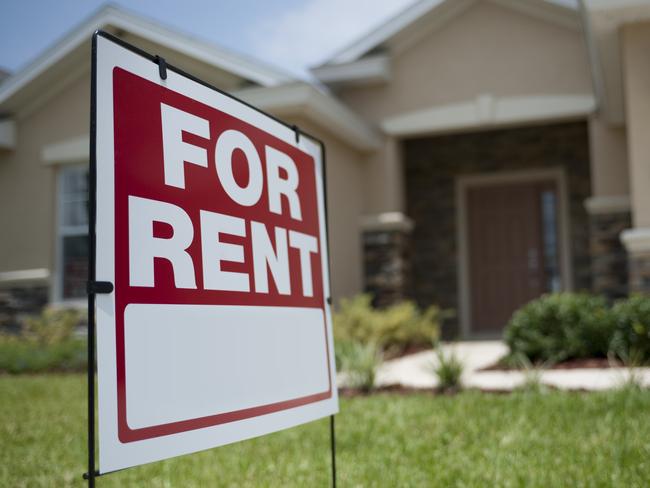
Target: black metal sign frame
column 98, row 287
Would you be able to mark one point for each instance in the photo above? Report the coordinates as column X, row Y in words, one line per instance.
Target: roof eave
column 110, row 17
column 303, row 99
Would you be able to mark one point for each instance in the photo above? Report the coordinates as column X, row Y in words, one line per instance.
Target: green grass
column 472, row 439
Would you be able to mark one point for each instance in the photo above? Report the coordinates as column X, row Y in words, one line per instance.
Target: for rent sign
column 211, row 226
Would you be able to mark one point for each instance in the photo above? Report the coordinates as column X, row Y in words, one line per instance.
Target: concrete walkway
column 416, row 371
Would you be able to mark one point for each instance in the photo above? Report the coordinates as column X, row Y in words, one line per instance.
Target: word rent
column 222, row 237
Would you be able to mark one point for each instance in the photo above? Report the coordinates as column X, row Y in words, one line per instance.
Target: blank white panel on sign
column 190, row 361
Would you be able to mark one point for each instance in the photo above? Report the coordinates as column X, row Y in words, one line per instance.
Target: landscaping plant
column 448, row 368
column 393, row 329
column 561, row 326
column 631, row 335
column 532, row 375
column 45, row 343
column 359, row 362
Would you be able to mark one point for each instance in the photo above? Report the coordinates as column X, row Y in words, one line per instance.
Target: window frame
column 61, row 232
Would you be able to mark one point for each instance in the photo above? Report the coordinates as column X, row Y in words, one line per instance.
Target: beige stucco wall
column 488, row 49
column 384, row 179
column 345, row 188
column 608, row 155
column 636, row 74
column 27, row 185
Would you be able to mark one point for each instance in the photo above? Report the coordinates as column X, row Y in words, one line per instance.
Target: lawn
column 471, row 439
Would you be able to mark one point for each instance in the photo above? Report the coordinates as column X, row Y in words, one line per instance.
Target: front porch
column 495, row 219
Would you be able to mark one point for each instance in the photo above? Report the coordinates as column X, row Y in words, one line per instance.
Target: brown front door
column 513, row 249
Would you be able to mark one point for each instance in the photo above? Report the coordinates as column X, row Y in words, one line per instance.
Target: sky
column 290, row 34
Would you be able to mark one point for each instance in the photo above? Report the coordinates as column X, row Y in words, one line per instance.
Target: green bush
column 21, row 356
column 561, row 326
column 393, row 329
column 52, row 326
column 46, row 343
column 359, row 361
column 631, row 337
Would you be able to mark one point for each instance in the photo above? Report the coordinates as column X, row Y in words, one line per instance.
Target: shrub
column 359, row 361
column 561, row 326
column 631, row 337
column 52, row 326
column 46, row 343
column 393, row 329
column 448, row 369
column 21, row 356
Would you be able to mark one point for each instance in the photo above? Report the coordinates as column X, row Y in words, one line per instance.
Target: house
column 479, row 152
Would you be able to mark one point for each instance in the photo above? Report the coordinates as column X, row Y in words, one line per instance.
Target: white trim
column 112, row 16
column 554, row 13
column 75, row 150
column 388, row 29
column 365, row 71
column 614, row 4
column 464, row 182
column 636, row 241
column 305, row 99
column 387, row 221
column 595, row 64
column 489, row 111
column 24, row 276
column 439, row 14
column 608, row 204
column 7, row 134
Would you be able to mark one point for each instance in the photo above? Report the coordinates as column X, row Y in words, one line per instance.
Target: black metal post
column 91, row 390
column 333, row 448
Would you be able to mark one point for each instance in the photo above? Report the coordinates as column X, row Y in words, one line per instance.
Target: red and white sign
column 211, row 226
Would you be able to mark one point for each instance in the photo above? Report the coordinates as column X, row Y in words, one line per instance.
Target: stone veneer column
column 609, row 216
column 637, row 243
column 386, row 256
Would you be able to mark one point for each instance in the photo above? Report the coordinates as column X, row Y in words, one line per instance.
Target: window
column 73, row 232
column 551, row 240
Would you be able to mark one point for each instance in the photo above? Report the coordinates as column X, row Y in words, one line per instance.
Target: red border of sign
column 127, row 434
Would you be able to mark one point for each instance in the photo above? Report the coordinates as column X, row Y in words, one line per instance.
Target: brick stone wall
column 17, row 303
column 608, row 255
column 386, row 265
column 431, row 166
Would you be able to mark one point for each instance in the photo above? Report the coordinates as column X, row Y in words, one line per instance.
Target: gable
column 71, row 54
column 489, row 49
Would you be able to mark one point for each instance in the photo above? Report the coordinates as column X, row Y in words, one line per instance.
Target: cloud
column 307, row 34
